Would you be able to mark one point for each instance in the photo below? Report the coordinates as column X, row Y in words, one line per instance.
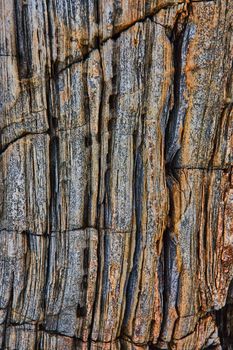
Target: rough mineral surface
column 116, row 174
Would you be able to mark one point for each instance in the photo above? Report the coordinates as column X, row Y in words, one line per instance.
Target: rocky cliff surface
column 116, row 187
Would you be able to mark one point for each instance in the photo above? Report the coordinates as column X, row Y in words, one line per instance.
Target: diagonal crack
column 117, row 33
column 21, row 136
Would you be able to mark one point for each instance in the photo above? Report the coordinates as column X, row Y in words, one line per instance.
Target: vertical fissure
column 53, row 160
column 99, row 136
column 178, row 39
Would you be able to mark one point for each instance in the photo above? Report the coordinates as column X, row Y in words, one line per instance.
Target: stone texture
column 24, row 185
column 203, row 92
column 116, row 189
column 23, row 103
column 71, row 282
column 199, row 246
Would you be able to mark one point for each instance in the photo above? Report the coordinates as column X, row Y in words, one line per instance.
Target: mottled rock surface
column 116, row 185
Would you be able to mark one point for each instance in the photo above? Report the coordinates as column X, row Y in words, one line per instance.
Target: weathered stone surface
column 116, row 16
column 113, row 277
column 24, row 185
column 199, row 247
column 71, row 283
column 22, row 103
column 134, row 202
column 56, row 342
column 24, row 53
column 74, row 113
column 204, row 335
column 73, row 29
column 22, row 279
column 116, row 193
column 20, row 337
column 203, row 89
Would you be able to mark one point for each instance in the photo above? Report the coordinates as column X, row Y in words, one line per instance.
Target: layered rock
column 116, row 207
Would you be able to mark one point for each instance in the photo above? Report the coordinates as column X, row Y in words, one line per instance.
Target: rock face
column 116, row 186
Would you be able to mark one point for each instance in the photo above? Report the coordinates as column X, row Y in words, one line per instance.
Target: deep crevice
column 98, row 224
column 177, row 40
column 53, row 165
